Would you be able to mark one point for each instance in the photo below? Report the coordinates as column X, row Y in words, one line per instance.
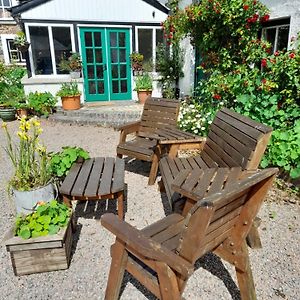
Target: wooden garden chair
column 158, row 124
column 162, row 256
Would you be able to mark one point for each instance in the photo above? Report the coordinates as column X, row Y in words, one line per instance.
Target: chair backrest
column 224, row 218
column 158, row 113
column 235, row 140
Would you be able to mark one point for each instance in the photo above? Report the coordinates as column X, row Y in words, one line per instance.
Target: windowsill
column 49, row 80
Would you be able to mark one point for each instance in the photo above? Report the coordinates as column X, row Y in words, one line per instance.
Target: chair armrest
column 127, row 129
column 145, row 246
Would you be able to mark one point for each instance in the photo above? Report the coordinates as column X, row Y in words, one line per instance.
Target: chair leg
column 119, row 155
column 154, row 166
column 117, row 269
column 168, row 284
column 121, row 205
column 245, row 278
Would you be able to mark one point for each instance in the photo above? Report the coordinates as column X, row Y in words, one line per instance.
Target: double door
column 106, row 64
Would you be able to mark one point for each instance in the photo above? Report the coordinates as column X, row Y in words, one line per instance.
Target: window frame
column 277, row 24
column 154, row 28
column 51, row 44
column 3, row 9
column 5, row 38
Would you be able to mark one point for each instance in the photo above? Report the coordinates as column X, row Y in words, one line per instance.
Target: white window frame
column 154, row 28
column 4, row 40
column 3, row 9
column 52, row 51
column 264, row 29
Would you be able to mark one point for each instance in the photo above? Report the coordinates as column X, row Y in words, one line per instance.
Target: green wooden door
column 106, row 64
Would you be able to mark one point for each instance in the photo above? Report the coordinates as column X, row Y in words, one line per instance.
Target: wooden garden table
column 94, row 179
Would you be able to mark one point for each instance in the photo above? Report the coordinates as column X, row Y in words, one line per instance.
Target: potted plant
column 7, row 110
column 43, row 237
column 42, row 103
column 136, row 60
column 32, row 178
column 72, row 64
column 143, row 86
column 21, row 42
column 70, row 95
column 22, row 108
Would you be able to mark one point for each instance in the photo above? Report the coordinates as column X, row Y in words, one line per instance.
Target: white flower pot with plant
column 32, row 176
column 72, row 64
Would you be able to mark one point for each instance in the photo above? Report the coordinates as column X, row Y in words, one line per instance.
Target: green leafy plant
column 48, row 218
column 68, row 89
column 42, row 103
column 20, row 39
column 11, row 88
column 143, row 82
column 30, row 162
column 62, row 161
column 136, row 60
column 72, row 63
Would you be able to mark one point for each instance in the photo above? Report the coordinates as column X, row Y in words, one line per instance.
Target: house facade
column 104, row 32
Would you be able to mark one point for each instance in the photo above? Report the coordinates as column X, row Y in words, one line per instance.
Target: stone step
column 105, row 118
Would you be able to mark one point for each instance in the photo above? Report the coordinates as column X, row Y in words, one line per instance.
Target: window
column 146, row 42
column 3, row 5
column 15, row 56
column 277, row 33
column 49, row 45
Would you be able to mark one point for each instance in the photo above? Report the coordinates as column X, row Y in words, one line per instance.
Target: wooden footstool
column 94, row 179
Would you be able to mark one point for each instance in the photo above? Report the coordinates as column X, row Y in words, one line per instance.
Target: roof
column 27, row 5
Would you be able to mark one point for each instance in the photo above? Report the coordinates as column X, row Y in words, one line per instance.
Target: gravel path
column 276, row 267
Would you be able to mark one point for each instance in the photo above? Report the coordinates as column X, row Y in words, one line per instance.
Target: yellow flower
column 22, row 127
column 39, row 131
column 22, row 135
column 35, row 122
column 4, row 125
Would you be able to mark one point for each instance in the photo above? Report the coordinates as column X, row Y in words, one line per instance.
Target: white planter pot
column 75, row 74
column 26, row 201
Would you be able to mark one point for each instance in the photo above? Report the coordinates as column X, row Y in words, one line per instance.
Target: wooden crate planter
column 41, row 254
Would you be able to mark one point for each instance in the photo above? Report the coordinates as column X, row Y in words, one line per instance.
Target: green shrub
column 68, row 89
column 42, row 103
column 47, row 219
column 62, row 161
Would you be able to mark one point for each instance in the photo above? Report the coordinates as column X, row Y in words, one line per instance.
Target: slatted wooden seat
column 94, row 179
column 233, row 141
column 162, row 256
column 157, row 125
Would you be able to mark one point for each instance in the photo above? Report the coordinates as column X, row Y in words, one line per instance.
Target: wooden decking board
column 118, row 176
column 93, row 184
column 82, row 178
column 68, row 183
column 106, row 178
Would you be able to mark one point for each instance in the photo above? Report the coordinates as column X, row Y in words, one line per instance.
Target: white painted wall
column 51, row 85
column 285, row 8
column 96, row 10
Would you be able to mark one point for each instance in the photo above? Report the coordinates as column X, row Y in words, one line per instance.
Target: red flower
column 268, row 50
column 217, row 96
column 254, row 2
column 203, row 65
column 263, row 62
column 292, row 55
column 170, row 36
column 246, row 7
column 264, row 80
column 276, row 53
column 265, row 18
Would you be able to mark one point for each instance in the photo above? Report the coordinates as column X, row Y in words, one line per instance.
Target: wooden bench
column 162, row 256
column 233, row 141
column 94, row 179
column 158, row 119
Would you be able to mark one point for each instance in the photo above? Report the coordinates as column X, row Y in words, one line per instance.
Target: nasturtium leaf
column 53, row 229
column 25, row 233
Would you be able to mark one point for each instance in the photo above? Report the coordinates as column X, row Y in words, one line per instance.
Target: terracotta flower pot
column 21, row 112
column 71, row 102
column 143, row 95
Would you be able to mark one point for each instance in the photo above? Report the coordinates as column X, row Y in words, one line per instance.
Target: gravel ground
column 276, row 267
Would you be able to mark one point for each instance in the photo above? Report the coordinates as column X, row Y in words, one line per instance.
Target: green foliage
column 11, row 88
column 47, row 219
column 42, row 103
column 136, row 60
column 169, row 64
column 143, row 82
column 242, row 74
column 62, row 161
column 72, row 63
column 68, row 89
column 20, row 39
column 31, row 166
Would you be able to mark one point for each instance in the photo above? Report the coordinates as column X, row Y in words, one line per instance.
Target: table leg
column 120, row 198
column 173, row 150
